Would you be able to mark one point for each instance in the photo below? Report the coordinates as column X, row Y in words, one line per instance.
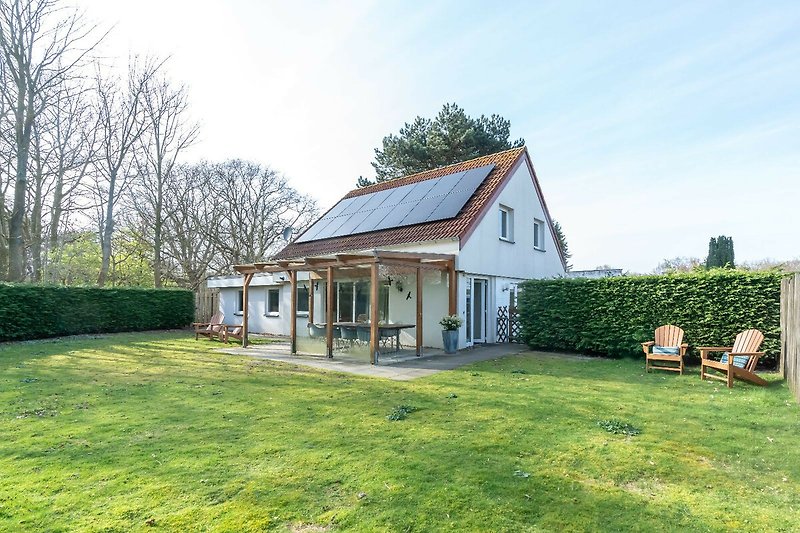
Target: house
column 460, row 237
column 597, row 273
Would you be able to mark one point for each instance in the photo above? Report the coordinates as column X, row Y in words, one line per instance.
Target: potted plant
column 450, row 325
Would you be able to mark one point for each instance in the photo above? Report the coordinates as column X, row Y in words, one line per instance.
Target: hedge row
column 36, row 311
column 612, row 316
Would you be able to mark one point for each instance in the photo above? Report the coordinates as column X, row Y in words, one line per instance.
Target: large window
column 506, row 220
column 538, row 234
column 351, row 301
column 273, row 302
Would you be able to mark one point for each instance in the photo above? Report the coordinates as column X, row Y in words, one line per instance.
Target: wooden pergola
column 324, row 267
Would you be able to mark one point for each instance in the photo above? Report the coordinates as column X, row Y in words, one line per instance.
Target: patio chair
column 349, row 335
column 364, row 335
column 320, row 333
column 737, row 361
column 232, row 332
column 211, row 329
column 317, row 332
column 667, row 348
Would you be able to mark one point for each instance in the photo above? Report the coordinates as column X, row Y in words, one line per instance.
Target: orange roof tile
column 453, row 228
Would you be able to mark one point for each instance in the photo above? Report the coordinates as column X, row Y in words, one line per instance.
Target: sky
column 652, row 126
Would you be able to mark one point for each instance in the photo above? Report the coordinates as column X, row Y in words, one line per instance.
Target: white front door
column 477, row 310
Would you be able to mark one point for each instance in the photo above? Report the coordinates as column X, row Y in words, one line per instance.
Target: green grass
column 157, row 432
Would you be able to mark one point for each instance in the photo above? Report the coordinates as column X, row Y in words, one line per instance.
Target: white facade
column 502, row 251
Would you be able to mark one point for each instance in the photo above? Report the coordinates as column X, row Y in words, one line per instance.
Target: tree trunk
column 3, row 238
column 16, row 244
column 157, row 228
column 55, row 221
column 108, row 231
column 36, row 232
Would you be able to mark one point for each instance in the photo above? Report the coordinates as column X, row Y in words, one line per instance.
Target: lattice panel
column 502, row 324
column 515, row 327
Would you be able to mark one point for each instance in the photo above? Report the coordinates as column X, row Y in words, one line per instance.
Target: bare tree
column 120, row 125
column 191, row 216
column 41, row 44
column 219, row 214
column 169, row 132
column 260, row 204
column 61, row 150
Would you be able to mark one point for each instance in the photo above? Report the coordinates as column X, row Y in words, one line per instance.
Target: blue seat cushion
column 667, row 350
column 738, row 360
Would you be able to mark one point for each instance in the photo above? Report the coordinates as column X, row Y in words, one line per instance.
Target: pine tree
column 451, row 137
column 562, row 243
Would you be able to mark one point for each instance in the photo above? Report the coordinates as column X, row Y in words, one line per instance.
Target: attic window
column 506, row 222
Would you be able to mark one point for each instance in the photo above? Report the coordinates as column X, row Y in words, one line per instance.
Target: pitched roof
column 458, row 227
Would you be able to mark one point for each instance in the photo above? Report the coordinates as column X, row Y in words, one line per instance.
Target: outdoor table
column 384, row 330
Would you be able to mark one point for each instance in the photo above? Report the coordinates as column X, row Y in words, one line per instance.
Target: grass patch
column 159, row 432
column 618, row 427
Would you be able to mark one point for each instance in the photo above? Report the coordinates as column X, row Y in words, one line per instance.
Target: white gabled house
column 469, row 233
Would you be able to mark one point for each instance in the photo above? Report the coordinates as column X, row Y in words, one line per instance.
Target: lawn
column 157, row 431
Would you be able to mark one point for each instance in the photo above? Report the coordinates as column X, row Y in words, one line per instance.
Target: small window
column 239, row 303
column 302, row 300
column 538, row 234
column 273, row 301
column 506, row 223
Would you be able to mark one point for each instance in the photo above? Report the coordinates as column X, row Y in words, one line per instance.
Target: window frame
column 302, row 301
column 538, row 234
column 239, row 305
column 509, row 223
column 269, row 291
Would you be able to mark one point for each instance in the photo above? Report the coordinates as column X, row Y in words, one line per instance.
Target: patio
column 402, row 366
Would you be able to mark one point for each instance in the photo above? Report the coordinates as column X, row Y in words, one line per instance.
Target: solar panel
column 450, row 205
column 434, row 199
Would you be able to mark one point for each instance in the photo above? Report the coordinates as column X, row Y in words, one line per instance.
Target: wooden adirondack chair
column 232, row 332
column 738, row 361
column 210, row 329
column 668, row 347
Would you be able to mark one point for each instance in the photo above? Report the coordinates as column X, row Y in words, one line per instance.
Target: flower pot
column 450, row 340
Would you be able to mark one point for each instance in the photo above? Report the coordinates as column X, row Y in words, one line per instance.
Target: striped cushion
column 666, row 350
column 738, row 360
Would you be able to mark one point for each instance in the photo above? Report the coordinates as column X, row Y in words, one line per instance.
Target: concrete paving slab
column 404, row 370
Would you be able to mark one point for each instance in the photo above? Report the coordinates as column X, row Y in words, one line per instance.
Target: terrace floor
column 399, row 366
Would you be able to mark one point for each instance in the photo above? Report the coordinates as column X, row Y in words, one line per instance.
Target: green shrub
column 36, row 311
column 611, row 316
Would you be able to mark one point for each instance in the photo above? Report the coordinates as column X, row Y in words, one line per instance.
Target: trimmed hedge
column 36, row 311
column 611, row 316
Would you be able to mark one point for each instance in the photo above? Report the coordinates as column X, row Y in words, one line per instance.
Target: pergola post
column 419, row 311
column 453, row 287
column 373, row 311
column 246, row 309
column 293, row 311
column 310, row 301
column 329, row 314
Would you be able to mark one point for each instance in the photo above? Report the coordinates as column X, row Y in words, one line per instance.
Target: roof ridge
column 368, row 188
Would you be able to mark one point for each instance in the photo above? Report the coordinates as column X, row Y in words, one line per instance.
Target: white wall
column 259, row 322
column 435, row 303
column 485, row 253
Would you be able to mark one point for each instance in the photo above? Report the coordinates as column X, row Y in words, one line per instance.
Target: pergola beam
column 329, row 314
column 374, row 333
column 384, row 257
column 293, row 311
column 246, row 309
